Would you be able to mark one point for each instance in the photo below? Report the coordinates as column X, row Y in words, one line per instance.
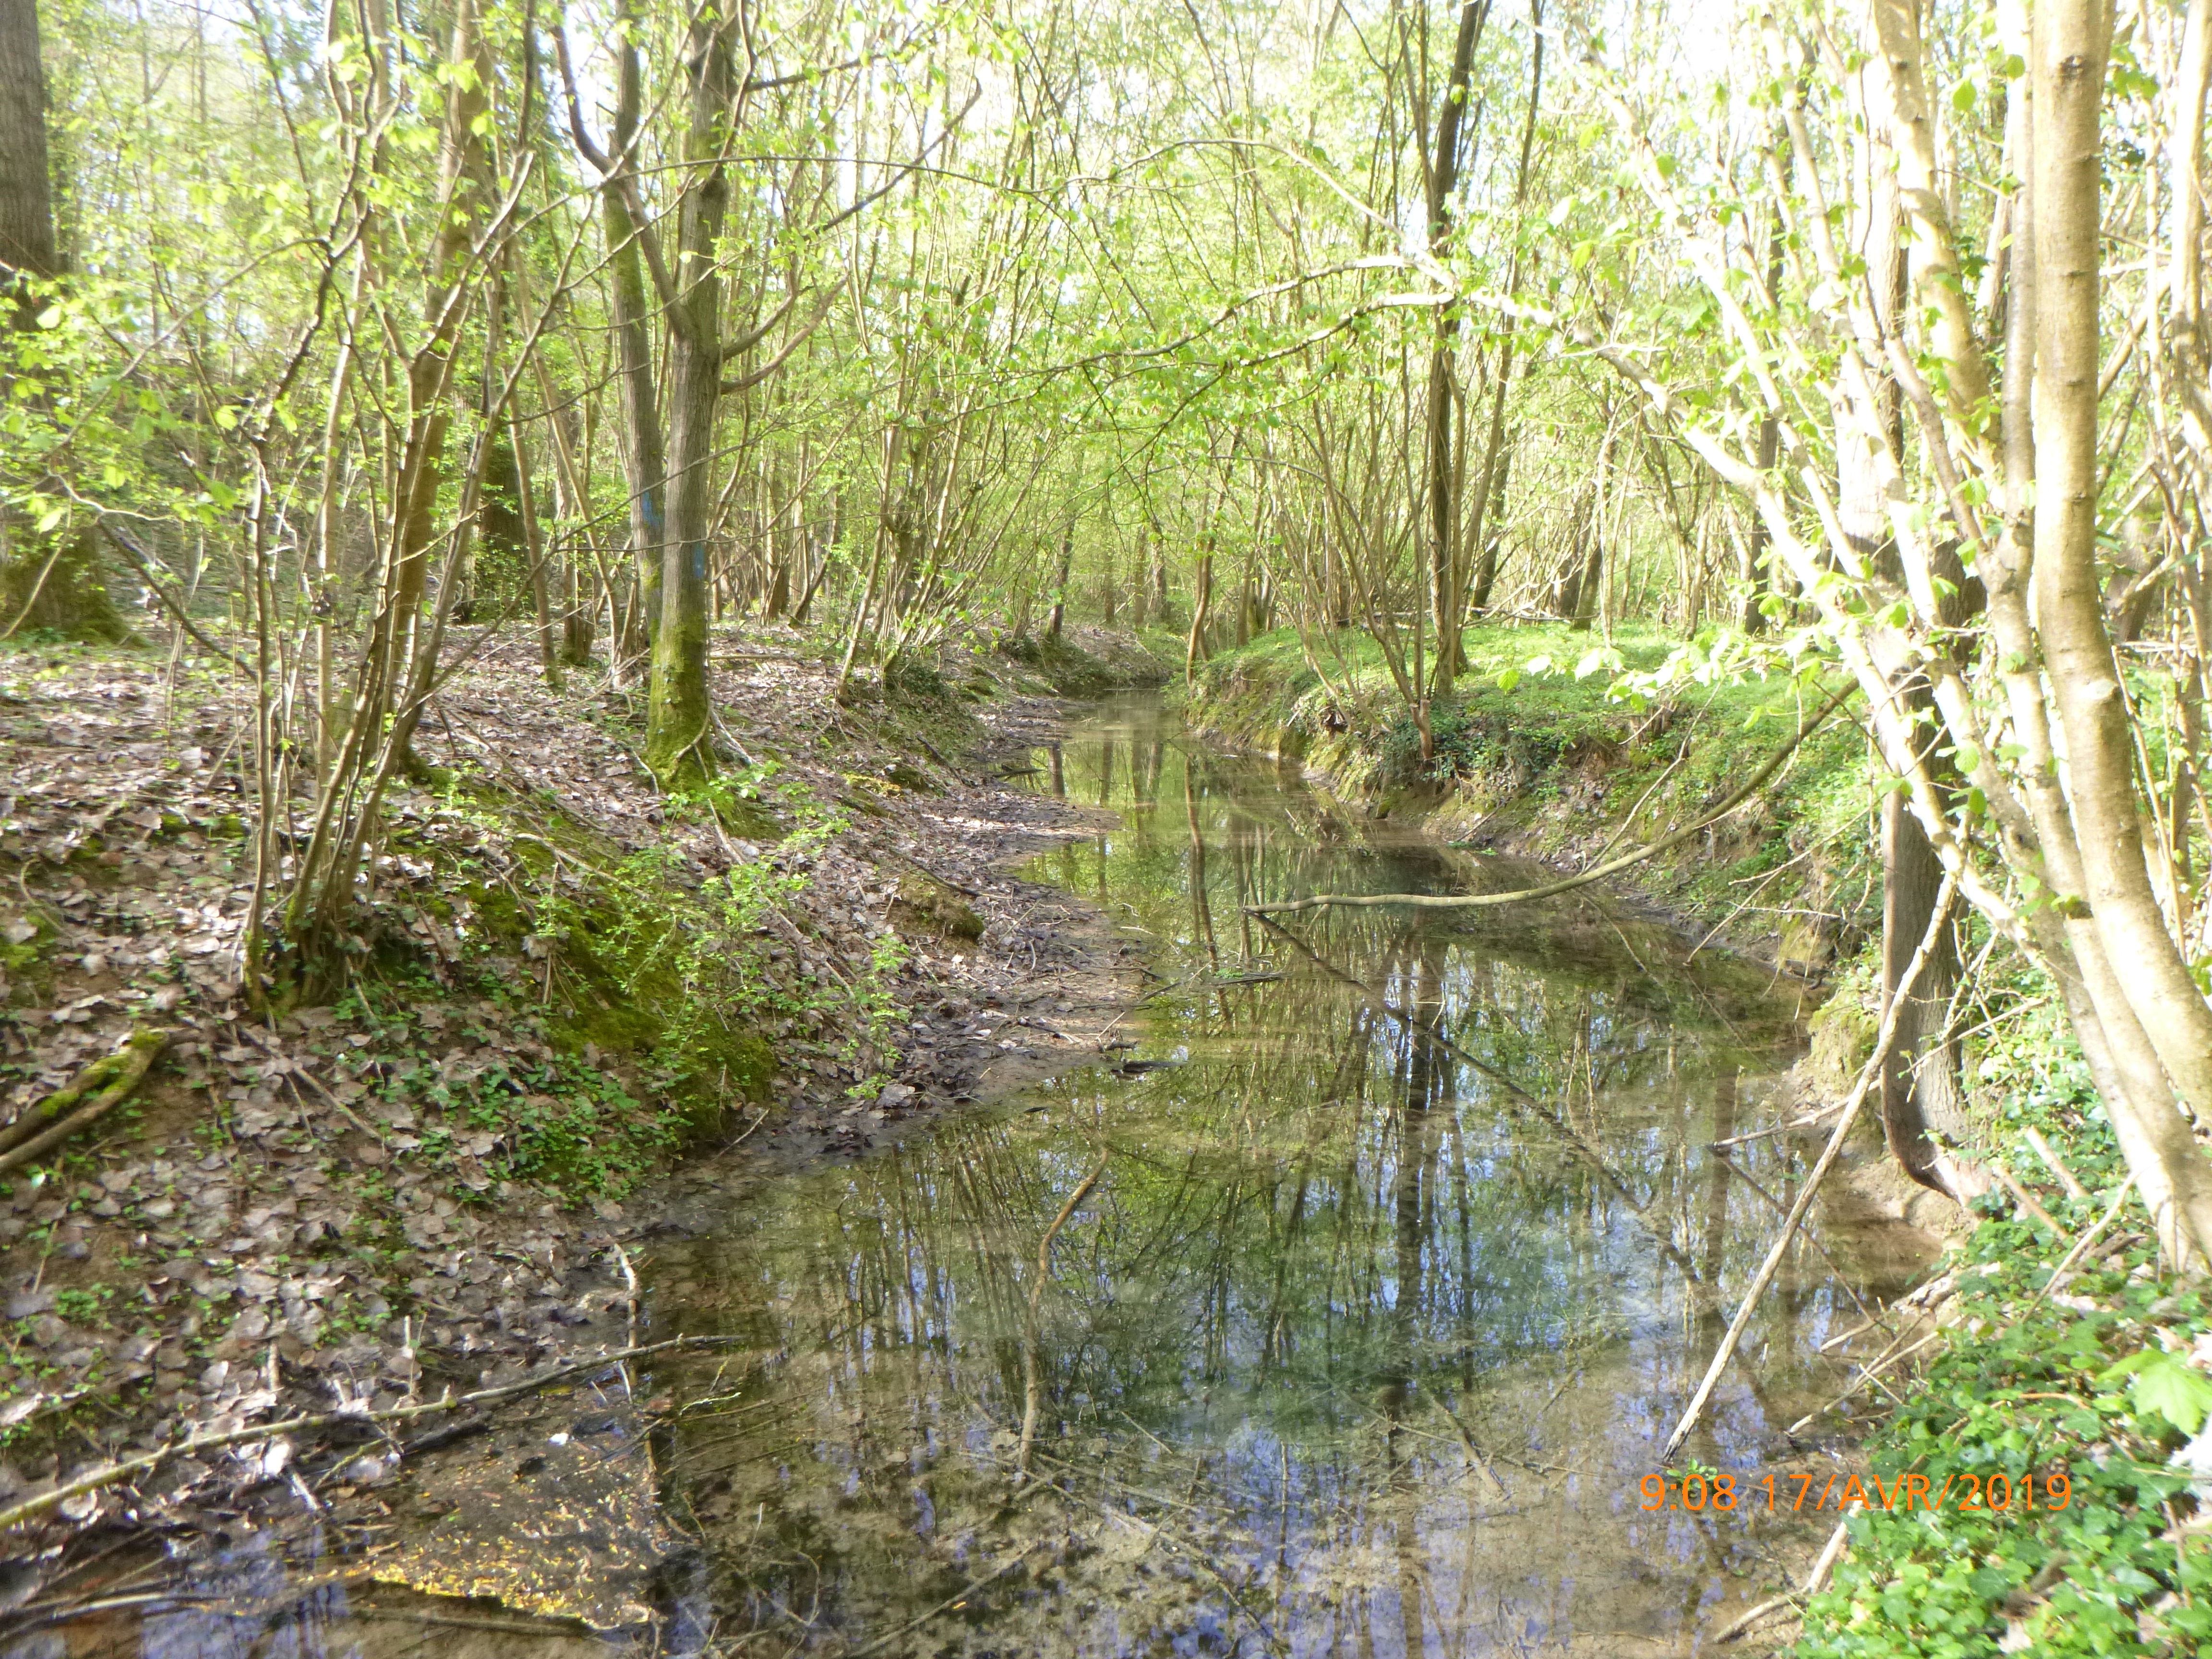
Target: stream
column 1342, row 1311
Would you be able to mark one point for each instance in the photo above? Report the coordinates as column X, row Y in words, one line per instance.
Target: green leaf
column 2162, row 1383
column 1508, row 678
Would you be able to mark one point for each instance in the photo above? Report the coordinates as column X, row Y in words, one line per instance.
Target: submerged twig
column 945, row 1605
column 1868, row 1074
column 1871, row 1373
column 109, row 1474
column 1031, row 1387
column 1813, row 1582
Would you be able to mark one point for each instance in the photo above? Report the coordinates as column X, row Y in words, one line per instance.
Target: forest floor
column 563, row 978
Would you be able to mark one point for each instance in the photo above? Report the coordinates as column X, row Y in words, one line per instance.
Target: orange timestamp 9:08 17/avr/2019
column 1961, row 1494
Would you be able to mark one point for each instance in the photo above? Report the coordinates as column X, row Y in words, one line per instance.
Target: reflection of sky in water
column 1356, row 1344
column 241, row 1602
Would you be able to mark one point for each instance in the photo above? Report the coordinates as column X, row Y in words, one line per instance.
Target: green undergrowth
column 2092, row 1384
column 1539, row 751
column 657, row 988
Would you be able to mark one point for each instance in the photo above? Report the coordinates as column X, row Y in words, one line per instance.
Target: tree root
column 107, row 1081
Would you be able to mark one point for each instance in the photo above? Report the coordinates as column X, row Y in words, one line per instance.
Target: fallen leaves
column 318, row 1210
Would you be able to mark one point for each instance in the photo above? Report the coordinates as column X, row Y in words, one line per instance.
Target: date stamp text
column 1810, row 1493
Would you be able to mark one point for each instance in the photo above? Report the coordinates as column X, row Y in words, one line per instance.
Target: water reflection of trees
column 1355, row 1292
column 1209, row 834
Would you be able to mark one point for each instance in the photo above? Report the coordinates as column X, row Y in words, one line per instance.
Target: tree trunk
column 1481, row 546
column 533, row 550
column 464, row 177
column 1201, row 601
column 678, row 719
column 52, row 581
column 1446, row 579
column 2071, row 40
column 783, row 541
column 1920, row 1090
column 26, row 205
column 1920, row 1087
column 1140, row 589
column 1495, row 496
column 1751, row 618
column 644, row 454
column 1059, row 612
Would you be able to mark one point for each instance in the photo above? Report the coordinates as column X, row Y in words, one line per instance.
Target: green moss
column 1842, row 1031
column 927, row 906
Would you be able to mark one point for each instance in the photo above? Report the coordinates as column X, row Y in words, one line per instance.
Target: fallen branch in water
column 109, row 1474
column 1565, row 1130
column 1568, row 883
column 1810, row 1120
column 956, row 1598
column 1894, row 1357
column 107, row 1081
column 1868, row 1073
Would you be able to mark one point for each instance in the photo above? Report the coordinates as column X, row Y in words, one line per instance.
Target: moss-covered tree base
column 58, row 587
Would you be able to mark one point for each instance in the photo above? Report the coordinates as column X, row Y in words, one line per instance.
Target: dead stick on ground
column 109, row 1473
column 1030, row 1387
column 1567, row 884
column 2049, row 1154
column 1868, row 1074
column 2026, row 1199
column 2059, row 1275
column 68, row 1111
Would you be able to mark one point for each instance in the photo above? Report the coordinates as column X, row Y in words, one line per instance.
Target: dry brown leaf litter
column 193, row 1268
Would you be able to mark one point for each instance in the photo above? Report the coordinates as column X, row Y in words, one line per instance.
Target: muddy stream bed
column 1281, row 1330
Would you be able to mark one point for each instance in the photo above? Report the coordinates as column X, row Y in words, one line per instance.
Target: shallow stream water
column 1294, row 1331
column 1343, row 1311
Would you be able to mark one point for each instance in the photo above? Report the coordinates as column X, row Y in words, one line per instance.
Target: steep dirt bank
column 564, row 980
